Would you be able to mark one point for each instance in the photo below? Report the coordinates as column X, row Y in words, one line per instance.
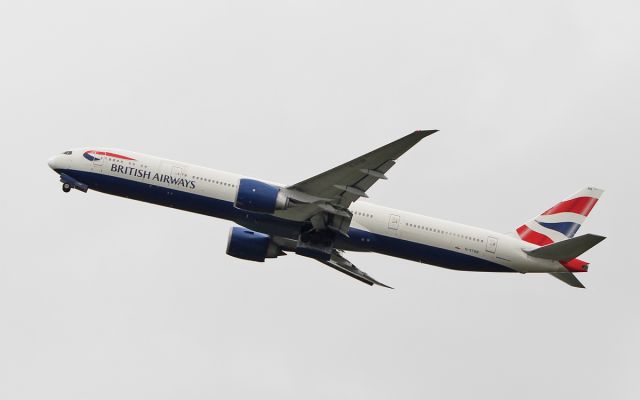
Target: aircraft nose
column 53, row 162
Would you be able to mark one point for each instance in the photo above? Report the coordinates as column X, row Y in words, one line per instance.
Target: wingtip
column 426, row 133
column 383, row 285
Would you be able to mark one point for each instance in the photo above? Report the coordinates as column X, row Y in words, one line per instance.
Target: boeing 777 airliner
column 320, row 217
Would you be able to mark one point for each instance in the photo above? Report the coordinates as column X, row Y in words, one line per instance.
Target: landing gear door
column 492, row 244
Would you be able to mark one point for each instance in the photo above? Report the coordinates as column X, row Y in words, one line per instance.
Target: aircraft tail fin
column 561, row 221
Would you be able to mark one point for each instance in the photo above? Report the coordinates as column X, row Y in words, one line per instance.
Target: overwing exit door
column 394, row 224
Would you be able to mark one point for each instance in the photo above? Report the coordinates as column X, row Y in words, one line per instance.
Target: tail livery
column 561, row 221
column 554, row 231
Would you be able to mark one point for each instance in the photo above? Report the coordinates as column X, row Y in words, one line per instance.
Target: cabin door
column 394, row 225
column 492, row 244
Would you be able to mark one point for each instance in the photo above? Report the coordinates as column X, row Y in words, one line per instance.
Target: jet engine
column 260, row 197
column 249, row 245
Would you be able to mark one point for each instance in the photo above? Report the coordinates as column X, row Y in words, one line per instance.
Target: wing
column 332, row 192
column 339, row 263
column 335, row 261
column 346, row 183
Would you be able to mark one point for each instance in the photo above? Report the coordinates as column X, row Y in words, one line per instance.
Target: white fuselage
column 376, row 228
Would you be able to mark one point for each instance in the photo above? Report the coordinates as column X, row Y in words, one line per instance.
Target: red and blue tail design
column 561, row 222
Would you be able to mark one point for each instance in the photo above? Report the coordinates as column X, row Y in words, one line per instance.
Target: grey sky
column 102, row 297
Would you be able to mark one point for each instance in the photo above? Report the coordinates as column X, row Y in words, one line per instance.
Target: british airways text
column 138, row 173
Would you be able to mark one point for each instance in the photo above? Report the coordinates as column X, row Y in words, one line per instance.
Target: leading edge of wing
column 398, row 147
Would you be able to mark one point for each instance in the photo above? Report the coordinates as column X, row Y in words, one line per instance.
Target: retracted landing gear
column 66, row 187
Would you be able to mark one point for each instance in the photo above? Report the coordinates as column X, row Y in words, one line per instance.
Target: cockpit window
column 68, row 153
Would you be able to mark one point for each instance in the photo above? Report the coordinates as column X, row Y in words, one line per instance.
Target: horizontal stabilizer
column 568, row 278
column 567, row 249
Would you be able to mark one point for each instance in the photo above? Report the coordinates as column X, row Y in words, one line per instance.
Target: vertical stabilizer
column 561, row 221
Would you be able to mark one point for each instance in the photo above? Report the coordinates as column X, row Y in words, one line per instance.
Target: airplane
column 321, row 218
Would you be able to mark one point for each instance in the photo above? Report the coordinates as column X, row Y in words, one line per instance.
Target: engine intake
column 249, row 245
column 259, row 197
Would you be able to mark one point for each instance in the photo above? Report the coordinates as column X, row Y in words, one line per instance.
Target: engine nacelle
column 249, row 245
column 259, row 197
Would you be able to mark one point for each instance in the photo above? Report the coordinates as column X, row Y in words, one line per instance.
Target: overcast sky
column 103, row 298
